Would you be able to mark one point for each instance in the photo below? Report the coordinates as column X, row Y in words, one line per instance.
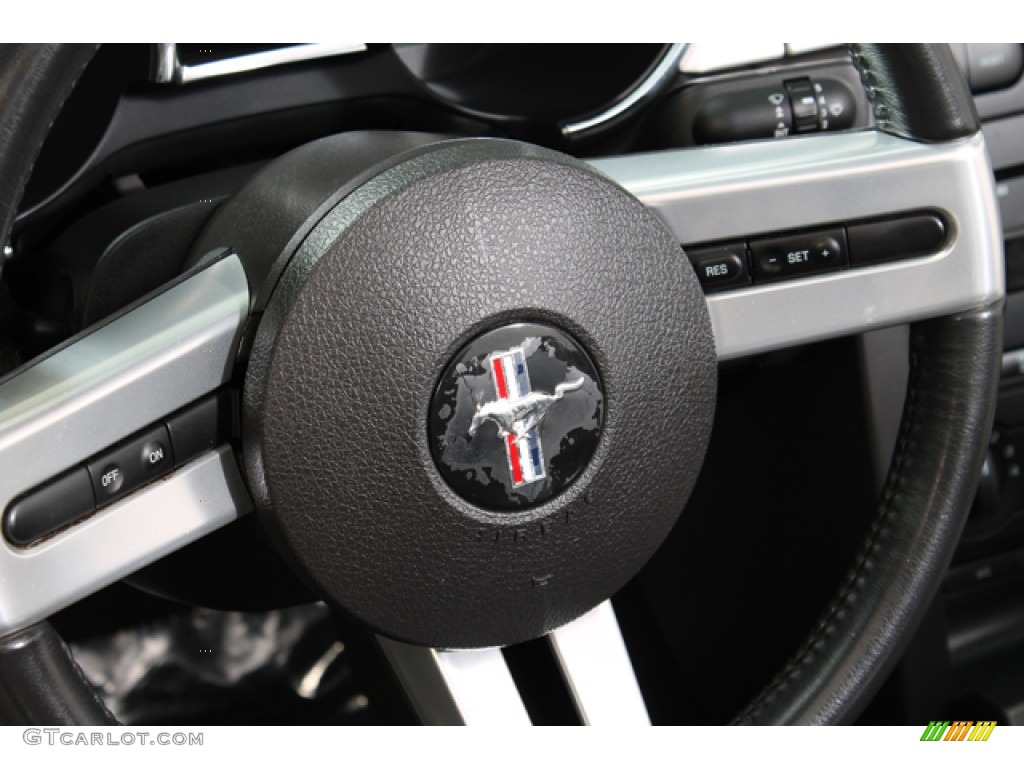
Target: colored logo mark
column 518, row 412
column 958, row 730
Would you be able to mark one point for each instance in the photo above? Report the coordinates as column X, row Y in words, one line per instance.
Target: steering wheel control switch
column 134, row 463
column 201, row 426
column 823, row 95
column 900, row 237
column 989, row 66
column 780, row 258
column 721, row 266
column 119, row 471
column 49, row 508
column 788, row 255
column 775, row 110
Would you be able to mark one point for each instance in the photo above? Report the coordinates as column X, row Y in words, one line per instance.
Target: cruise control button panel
column 779, row 256
column 118, row 471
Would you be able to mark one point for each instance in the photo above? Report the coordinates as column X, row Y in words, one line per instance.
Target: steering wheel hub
column 424, row 431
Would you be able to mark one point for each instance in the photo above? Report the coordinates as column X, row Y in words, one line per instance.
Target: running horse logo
column 518, row 412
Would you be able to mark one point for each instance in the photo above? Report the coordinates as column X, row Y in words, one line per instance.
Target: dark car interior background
column 155, row 140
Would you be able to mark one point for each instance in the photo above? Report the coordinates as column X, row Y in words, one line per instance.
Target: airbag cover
column 449, row 242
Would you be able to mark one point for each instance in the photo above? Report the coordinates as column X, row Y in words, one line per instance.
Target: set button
column 780, row 258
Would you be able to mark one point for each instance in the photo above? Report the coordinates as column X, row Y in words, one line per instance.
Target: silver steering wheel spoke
column 475, row 687
column 734, row 193
column 456, row 687
column 60, row 417
column 597, row 670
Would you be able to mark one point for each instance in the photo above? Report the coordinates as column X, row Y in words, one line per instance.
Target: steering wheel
column 477, row 379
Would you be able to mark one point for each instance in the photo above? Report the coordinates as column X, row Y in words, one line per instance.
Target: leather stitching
column 87, row 685
column 855, row 580
column 875, row 94
column 37, row 150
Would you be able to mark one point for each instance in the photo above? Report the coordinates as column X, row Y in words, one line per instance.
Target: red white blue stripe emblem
column 512, row 382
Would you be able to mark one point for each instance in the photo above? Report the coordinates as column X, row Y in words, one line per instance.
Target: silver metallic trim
column 456, row 687
column 166, row 515
column 705, row 58
column 702, row 58
column 125, row 375
column 795, row 49
column 884, row 370
column 732, row 192
column 518, row 416
column 166, row 67
column 664, row 71
column 597, row 670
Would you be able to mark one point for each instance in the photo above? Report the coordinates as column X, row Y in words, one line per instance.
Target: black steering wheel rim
column 917, row 94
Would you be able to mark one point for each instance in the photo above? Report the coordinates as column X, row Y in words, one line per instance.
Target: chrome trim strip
column 704, row 58
column 123, row 376
column 597, row 670
column 731, row 192
column 166, row 68
column 164, row 62
column 456, row 687
column 666, row 69
column 162, row 517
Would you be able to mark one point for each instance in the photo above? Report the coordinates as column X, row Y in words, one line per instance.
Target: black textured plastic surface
column 140, row 260
column 454, row 241
column 265, row 226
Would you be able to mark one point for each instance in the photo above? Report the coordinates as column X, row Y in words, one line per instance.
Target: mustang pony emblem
column 518, row 417
column 518, row 412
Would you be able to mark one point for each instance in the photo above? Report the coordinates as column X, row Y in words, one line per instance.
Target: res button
column 720, row 267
